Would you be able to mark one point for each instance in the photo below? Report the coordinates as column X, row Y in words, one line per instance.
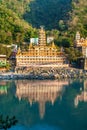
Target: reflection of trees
column 4, row 85
column 7, row 122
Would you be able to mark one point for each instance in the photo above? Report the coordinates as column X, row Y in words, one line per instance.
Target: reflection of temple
column 82, row 96
column 40, row 91
column 3, row 87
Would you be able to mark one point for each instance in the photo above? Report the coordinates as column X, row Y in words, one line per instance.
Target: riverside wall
column 45, row 73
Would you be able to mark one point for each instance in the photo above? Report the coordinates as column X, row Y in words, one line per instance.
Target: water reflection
column 3, row 87
column 83, row 95
column 40, row 91
column 22, row 98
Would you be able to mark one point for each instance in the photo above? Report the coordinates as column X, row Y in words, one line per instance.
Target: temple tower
column 77, row 36
column 42, row 37
column 78, row 40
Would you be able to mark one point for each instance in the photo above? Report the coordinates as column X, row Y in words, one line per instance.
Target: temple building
column 80, row 41
column 81, row 44
column 41, row 54
column 40, row 92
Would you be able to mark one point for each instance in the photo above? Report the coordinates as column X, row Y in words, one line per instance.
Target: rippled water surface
column 45, row 105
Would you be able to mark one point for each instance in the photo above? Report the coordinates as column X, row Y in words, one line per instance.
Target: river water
column 45, row 104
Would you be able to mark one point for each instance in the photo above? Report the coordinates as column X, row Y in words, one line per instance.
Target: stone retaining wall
column 46, row 73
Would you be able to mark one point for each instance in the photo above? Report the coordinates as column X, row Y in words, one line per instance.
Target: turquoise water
column 45, row 105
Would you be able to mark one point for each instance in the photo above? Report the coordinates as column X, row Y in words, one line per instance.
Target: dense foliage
column 13, row 29
column 50, row 13
column 17, row 6
column 73, row 54
column 78, row 17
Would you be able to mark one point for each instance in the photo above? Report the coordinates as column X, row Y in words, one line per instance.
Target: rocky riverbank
column 45, row 73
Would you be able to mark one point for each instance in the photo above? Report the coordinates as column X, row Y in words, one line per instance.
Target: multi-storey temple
column 41, row 54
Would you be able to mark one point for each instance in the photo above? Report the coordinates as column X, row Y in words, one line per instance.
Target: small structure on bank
column 41, row 55
column 3, row 62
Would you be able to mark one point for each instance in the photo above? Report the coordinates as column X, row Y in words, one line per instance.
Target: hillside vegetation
column 78, row 16
column 13, row 28
column 48, row 13
column 17, row 6
column 19, row 18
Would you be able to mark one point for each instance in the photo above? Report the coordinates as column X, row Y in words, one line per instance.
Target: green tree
column 73, row 54
column 61, row 25
column 64, row 42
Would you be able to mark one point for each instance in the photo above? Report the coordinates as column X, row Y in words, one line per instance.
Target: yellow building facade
column 41, row 54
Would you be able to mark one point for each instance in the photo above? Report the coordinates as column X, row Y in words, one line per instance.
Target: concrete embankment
column 45, row 73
